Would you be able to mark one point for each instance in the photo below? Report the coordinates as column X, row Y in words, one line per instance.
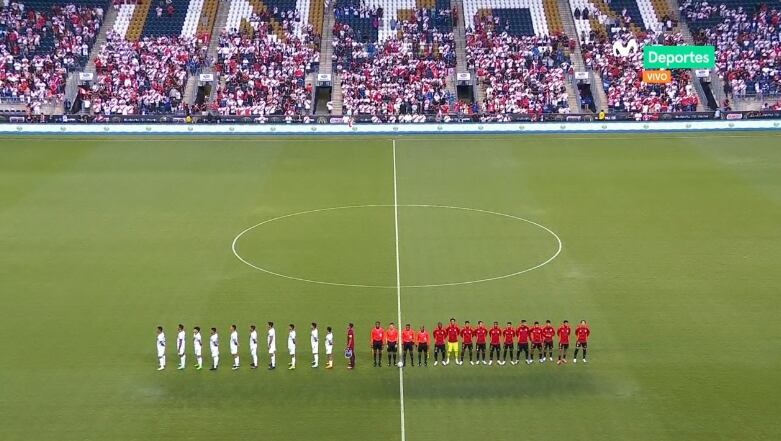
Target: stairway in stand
column 326, row 52
column 575, row 56
column 601, row 96
column 109, row 17
column 683, row 28
column 326, row 45
column 459, row 36
column 336, row 94
column 108, row 24
column 214, row 44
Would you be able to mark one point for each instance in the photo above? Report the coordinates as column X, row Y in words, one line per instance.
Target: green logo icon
column 679, row 57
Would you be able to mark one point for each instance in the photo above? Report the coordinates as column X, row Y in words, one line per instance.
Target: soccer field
column 669, row 246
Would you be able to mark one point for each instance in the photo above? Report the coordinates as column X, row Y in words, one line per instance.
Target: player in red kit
column 392, row 338
column 408, row 345
column 522, row 333
column 467, row 332
column 536, row 334
column 350, row 346
column 378, row 340
column 480, row 335
column 496, row 335
column 423, row 342
column 453, row 331
column 440, row 335
column 509, row 343
column 563, row 332
column 582, row 333
column 548, row 332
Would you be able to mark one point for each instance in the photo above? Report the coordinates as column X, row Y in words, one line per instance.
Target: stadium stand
column 152, row 49
column 622, row 75
column 598, row 17
column 393, row 60
column 516, row 17
column 520, row 57
column 266, row 51
column 185, row 18
column 746, row 37
column 392, row 57
column 145, row 76
column 40, row 42
column 294, row 17
column 602, row 24
column 265, row 63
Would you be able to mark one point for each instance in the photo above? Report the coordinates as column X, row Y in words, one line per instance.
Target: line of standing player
column 531, row 340
column 233, row 343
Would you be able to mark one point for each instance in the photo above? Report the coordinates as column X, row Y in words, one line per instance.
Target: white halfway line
column 398, row 285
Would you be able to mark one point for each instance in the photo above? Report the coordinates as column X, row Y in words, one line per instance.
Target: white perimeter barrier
column 392, row 129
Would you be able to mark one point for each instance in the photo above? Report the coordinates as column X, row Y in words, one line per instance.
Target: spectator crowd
column 622, row 75
column 748, row 44
column 404, row 75
column 146, row 76
column 265, row 69
column 521, row 74
column 39, row 47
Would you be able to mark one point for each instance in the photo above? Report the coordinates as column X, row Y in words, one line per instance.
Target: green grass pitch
column 671, row 250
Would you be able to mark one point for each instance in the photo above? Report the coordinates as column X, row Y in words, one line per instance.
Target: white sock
column 162, row 361
column 254, row 359
column 236, row 360
column 215, row 360
column 293, row 361
column 317, row 359
column 182, row 360
column 200, row 361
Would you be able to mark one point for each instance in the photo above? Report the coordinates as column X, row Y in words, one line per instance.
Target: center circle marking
column 433, row 285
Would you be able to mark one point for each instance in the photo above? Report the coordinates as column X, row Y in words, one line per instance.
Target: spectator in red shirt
column 563, row 332
column 351, row 345
column 453, row 331
column 536, row 334
column 467, row 332
column 439, row 343
column 582, row 332
column 548, row 332
column 423, row 340
column 378, row 340
column 509, row 343
column 522, row 333
column 496, row 335
column 480, row 335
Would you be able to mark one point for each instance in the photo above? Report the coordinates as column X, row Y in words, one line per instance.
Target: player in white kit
column 160, row 348
column 315, row 340
column 180, row 339
column 234, row 345
column 214, row 346
column 271, row 341
column 329, row 348
column 198, row 347
column 253, row 346
column 291, row 346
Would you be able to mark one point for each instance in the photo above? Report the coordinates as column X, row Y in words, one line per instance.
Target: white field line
column 398, row 285
column 234, row 246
